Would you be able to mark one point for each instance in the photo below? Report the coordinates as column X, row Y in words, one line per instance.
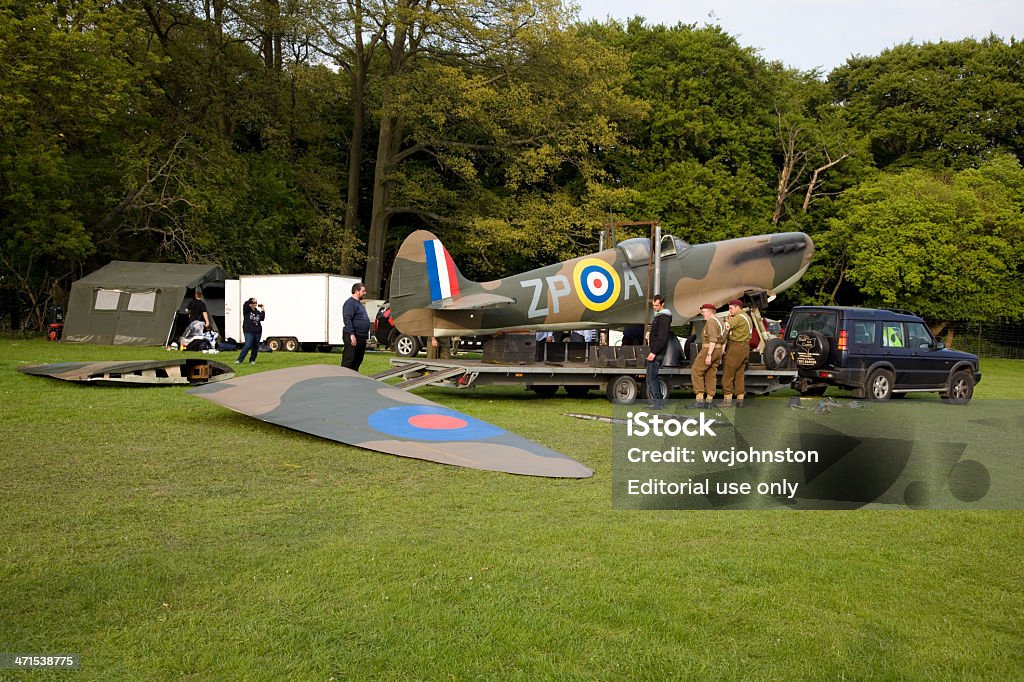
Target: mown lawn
column 163, row 537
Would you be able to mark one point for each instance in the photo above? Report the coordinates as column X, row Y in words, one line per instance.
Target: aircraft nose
column 808, row 251
column 791, row 254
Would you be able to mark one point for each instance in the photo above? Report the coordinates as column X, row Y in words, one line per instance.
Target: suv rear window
column 824, row 321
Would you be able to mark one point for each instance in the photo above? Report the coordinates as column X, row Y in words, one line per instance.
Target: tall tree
column 813, row 139
column 490, row 87
column 349, row 33
column 237, row 163
column 705, row 165
column 66, row 88
column 937, row 104
column 948, row 245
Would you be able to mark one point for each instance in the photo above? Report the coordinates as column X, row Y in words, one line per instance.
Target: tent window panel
column 107, row 299
column 142, row 302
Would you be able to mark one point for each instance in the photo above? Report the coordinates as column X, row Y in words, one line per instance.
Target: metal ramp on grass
column 415, row 374
column 399, row 371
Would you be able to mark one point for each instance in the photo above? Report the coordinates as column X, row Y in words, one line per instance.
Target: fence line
column 990, row 339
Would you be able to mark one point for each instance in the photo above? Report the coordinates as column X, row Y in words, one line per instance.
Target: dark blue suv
column 879, row 354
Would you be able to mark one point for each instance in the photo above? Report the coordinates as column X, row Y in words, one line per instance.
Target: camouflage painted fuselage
column 606, row 289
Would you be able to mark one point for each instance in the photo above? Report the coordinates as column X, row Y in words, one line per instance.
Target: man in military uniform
column 439, row 349
column 705, row 366
column 738, row 329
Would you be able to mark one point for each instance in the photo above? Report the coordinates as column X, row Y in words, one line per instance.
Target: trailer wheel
column 664, row 390
column 274, row 344
column 622, row 390
column 406, row 346
column 544, row 390
column 291, row 344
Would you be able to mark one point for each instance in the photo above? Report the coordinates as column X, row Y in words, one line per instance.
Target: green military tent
column 139, row 304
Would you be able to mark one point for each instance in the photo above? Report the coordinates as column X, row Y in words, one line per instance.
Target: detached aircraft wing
column 138, row 373
column 345, row 406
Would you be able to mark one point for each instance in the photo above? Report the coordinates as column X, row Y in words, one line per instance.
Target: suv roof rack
column 901, row 311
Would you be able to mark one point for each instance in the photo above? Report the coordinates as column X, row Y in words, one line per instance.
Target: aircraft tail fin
column 443, row 277
column 424, row 273
column 423, row 279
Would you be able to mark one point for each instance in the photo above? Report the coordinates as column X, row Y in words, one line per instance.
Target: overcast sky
column 807, row 34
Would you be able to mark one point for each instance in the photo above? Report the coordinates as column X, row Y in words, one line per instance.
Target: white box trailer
column 302, row 310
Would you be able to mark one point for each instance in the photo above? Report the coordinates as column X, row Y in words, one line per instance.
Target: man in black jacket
column 660, row 329
column 356, row 328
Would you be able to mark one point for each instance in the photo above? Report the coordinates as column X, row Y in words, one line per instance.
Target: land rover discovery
column 878, row 354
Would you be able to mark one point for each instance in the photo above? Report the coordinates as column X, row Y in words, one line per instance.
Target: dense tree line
column 314, row 135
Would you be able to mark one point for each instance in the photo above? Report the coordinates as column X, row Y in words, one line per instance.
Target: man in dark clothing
column 252, row 327
column 660, row 329
column 356, row 328
column 196, row 309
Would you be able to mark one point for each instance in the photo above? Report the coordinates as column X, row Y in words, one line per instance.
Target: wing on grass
column 138, row 373
column 348, row 407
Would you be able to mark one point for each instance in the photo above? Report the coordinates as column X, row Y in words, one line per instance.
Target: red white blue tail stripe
column 441, row 271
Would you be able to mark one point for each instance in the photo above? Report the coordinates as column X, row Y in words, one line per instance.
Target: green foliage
column 533, row 230
column 66, row 89
column 530, row 123
column 228, row 132
column 937, row 104
column 704, row 167
column 945, row 245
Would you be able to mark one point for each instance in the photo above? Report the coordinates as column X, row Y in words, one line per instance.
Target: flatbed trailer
column 621, row 385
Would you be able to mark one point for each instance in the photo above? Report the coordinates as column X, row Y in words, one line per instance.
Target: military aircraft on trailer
column 430, row 297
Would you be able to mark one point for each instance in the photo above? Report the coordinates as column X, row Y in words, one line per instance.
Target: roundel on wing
column 596, row 283
column 431, row 423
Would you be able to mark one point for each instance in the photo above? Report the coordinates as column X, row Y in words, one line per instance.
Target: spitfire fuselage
column 606, row 289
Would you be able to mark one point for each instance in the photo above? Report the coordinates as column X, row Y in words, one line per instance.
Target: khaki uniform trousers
column 736, row 355
column 705, row 377
column 442, row 351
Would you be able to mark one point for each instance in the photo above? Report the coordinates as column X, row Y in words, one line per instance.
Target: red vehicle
column 387, row 334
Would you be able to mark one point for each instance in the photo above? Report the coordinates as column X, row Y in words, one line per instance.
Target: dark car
column 387, row 335
column 876, row 353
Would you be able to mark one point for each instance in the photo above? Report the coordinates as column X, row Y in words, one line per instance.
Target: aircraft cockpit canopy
column 638, row 249
column 671, row 245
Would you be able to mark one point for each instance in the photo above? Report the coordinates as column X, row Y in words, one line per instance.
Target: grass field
column 163, row 537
